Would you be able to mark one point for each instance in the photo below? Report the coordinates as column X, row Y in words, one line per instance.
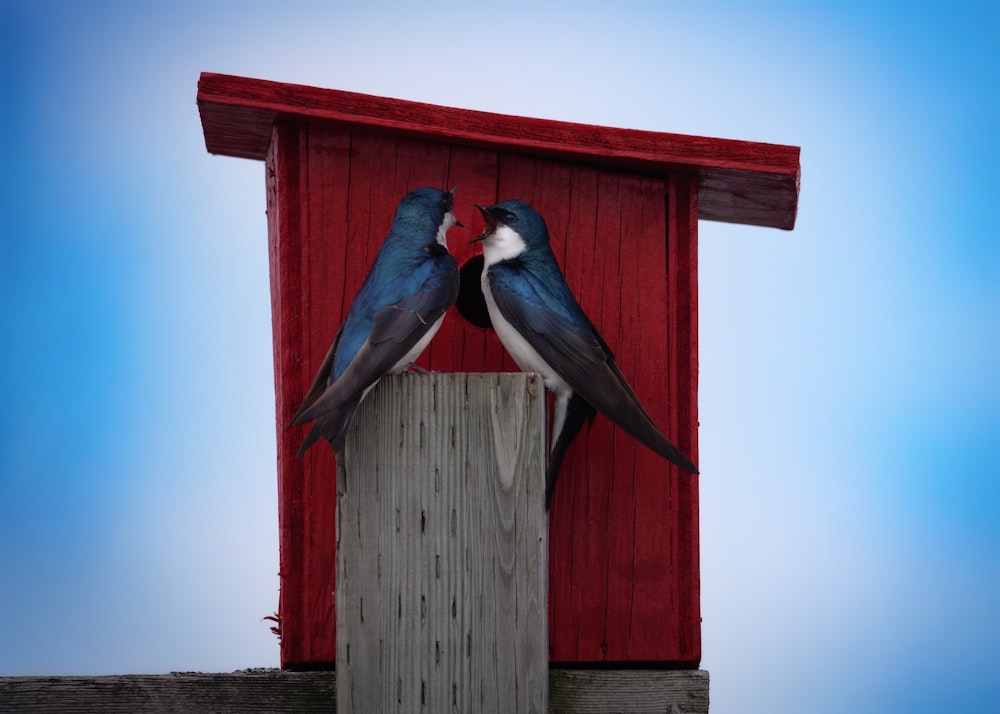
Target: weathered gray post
column 442, row 546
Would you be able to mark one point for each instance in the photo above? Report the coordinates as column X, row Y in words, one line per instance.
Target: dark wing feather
column 583, row 359
column 319, row 382
column 396, row 329
column 578, row 412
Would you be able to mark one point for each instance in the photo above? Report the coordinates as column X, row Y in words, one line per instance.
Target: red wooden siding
column 623, row 575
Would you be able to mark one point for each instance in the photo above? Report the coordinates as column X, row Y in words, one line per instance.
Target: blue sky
column 850, row 400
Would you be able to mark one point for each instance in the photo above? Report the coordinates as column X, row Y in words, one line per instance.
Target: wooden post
column 441, row 590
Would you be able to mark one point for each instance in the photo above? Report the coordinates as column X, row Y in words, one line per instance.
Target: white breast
column 524, row 354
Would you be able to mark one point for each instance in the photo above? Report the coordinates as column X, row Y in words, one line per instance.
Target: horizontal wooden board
column 248, row 692
column 271, row 690
column 739, row 181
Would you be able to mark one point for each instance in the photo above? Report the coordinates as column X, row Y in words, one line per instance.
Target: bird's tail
column 668, row 450
column 317, row 387
column 331, row 426
column 578, row 412
column 636, row 421
column 646, row 432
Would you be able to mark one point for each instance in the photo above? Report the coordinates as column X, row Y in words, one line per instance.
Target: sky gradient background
column 850, row 399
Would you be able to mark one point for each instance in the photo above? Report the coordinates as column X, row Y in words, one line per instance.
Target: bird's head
column 512, row 229
column 426, row 211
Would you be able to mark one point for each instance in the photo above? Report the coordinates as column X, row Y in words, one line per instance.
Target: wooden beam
column 606, row 691
column 739, row 181
column 442, row 545
column 270, row 690
column 250, row 692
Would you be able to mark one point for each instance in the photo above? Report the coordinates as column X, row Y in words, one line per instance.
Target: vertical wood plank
column 582, row 257
column 636, row 242
column 653, row 598
column 371, row 205
column 682, row 265
column 460, row 345
column 325, row 166
column 442, row 547
column 290, row 250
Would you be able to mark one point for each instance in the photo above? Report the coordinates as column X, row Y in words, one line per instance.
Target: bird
column 544, row 329
column 393, row 317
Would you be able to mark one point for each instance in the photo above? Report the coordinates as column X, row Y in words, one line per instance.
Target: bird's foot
column 417, row 369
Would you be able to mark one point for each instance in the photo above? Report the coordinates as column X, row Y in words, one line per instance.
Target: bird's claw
column 417, row 369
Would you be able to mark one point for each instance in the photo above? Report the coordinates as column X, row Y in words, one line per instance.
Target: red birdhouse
column 622, row 208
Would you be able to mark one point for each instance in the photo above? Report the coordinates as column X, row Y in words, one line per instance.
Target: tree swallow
column 397, row 311
column 545, row 330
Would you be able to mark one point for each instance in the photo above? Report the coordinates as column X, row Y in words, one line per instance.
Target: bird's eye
column 509, row 217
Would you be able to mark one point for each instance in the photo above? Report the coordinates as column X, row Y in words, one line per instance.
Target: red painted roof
column 738, row 181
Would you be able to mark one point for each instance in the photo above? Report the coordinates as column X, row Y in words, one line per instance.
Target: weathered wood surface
column 606, row 691
column 441, row 557
column 741, row 181
column 271, row 690
column 266, row 690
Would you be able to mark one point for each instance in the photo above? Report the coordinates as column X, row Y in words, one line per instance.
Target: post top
column 738, row 181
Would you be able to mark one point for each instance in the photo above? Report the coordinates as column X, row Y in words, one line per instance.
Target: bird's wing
column 321, row 379
column 396, row 329
column 567, row 341
column 571, row 345
column 406, row 321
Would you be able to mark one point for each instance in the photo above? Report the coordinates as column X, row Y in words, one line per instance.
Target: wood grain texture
column 612, row 691
column 623, row 570
column 270, row 690
column 682, row 358
column 441, row 572
column 263, row 691
column 297, row 167
column 742, row 182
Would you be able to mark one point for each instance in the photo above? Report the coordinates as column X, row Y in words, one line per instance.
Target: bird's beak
column 491, row 224
column 451, row 206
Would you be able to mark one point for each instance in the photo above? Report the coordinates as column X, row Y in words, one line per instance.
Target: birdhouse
column 622, row 208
